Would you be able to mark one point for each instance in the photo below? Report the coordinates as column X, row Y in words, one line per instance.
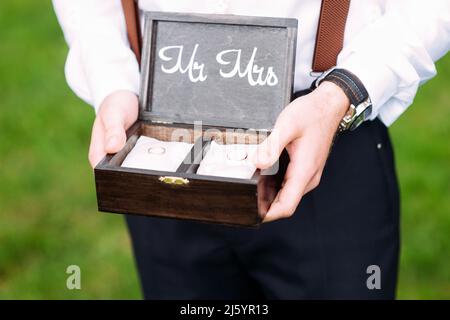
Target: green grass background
column 48, row 216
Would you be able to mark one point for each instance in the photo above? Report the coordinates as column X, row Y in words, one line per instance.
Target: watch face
column 361, row 118
column 358, row 120
column 367, row 112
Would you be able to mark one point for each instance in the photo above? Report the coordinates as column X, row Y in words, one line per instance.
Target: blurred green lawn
column 48, row 216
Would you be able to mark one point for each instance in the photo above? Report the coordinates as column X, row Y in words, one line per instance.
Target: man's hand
column 117, row 113
column 306, row 128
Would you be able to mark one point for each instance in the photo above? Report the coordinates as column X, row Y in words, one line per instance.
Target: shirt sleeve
column 395, row 54
column 100, row 60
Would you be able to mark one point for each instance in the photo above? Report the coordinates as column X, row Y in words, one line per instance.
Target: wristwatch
column 360, row 103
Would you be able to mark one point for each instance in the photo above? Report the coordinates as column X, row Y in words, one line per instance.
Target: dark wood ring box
column 234, row 75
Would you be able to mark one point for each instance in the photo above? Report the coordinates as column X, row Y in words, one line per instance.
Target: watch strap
column 350, row 83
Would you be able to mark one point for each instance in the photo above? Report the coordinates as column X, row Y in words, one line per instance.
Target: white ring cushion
column 217, row 163
column 170, row 160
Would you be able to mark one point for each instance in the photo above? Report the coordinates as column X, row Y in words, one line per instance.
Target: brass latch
column 173, row 180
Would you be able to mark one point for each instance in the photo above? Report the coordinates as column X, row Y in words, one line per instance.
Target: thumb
column 115, row 137
column 270, row 149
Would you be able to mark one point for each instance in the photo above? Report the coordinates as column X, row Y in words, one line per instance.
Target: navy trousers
column 325, row 251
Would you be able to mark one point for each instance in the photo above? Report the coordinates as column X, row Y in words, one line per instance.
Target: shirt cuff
column 109, row 66
column 379, row 80
column 108, row 76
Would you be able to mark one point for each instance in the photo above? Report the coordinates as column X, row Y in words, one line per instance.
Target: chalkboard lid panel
column 217, row 101
column 221, row 19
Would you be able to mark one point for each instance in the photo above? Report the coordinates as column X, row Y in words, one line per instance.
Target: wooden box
column 231, row 74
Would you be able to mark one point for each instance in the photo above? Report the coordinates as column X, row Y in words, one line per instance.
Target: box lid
column 223, row 70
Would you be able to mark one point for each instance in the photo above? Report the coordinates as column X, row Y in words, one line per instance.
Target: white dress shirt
column 391, row 45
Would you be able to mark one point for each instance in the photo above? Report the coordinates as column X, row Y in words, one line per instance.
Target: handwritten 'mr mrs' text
column 229, row 60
